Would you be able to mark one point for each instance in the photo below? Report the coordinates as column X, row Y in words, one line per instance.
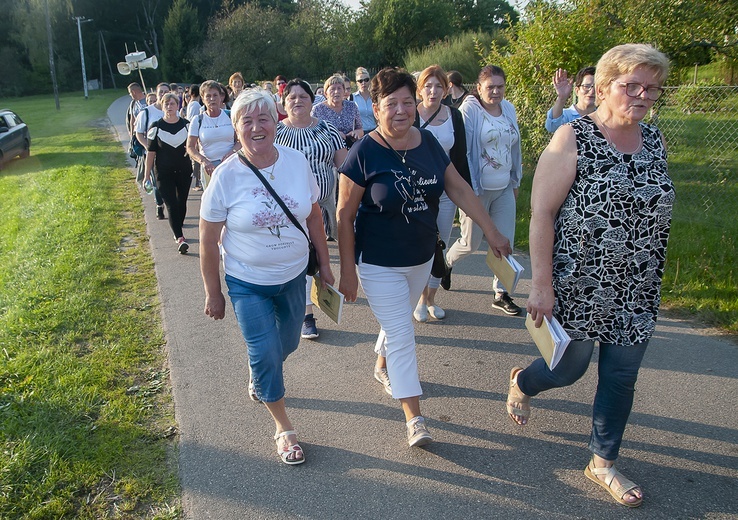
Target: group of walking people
column 601, row 211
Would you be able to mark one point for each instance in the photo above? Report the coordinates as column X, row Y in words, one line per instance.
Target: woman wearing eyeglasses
column 363, row 100
column 583, row 88
column 495, row 164
column 601, row 211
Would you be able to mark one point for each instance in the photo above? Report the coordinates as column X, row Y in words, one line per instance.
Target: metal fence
column 699, row 123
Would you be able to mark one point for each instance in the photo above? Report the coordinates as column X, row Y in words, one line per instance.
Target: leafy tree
column 182, row 38
column 396, row 26
column 484, row 15
column 320, row 39
column 249, row 39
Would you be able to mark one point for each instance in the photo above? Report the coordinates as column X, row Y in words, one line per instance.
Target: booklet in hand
column 328, row 300
column 550, row 338
column 506, row 269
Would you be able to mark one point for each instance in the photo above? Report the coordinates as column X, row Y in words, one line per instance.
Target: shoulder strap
column 431, row 118
column 276, row 197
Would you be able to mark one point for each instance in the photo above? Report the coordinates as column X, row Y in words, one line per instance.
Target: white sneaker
column 436, row 312
column 417, row 432
column 421, row 313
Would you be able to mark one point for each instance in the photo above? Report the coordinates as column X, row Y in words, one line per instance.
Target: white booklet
column 506, row 269
column 550, row 338
column 328, row 300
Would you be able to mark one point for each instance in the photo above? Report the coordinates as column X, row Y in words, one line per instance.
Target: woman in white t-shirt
column 495, row 163
column 211, row 137
column 265, row 255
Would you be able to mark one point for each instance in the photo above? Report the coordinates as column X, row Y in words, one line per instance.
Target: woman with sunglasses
column 363, row 100
column 601, row 212
column 584, row 90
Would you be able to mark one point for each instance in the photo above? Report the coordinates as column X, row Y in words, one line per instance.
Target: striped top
column 319, row 144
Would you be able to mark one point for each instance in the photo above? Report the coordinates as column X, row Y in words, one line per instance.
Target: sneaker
column 417, row 432
column 382, row 376
column 421, row 313
column 436, row 312
column 182, row 246
column 160, row 212
column 506, row 305
column 309, row 330
column 446, row 280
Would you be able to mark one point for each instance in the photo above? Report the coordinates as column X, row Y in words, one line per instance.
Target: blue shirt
column 567, row 116
column 396, row 221
column 366, row 112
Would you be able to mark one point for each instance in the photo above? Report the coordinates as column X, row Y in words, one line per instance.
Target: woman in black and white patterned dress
column 601, row 213
column 323, row 146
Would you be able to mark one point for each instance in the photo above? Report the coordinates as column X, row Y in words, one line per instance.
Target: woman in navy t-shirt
column 388, row 204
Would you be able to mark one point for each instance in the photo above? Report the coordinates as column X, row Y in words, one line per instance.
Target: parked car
column 15, row 139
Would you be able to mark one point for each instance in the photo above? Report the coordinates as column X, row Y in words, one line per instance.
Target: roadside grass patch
column 86, row 416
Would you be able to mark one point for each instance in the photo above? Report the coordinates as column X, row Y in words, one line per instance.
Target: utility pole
column 51, row 56
column 80, row 20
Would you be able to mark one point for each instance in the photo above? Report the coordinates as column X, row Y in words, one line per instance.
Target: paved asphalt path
column 681, row 443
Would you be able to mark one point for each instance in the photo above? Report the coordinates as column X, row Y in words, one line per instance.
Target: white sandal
column 617, row 492
column 291, row 454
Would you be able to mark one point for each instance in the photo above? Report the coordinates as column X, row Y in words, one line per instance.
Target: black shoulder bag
column 440, row 268
column 312, row 267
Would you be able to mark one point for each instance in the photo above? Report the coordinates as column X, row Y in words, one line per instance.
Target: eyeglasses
column 362, row 80
column 587, row 88
column 281, row 83
column 635, row 90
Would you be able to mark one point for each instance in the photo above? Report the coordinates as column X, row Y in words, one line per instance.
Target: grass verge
column 86, row 417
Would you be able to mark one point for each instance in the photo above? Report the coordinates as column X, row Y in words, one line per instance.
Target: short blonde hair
column 336, row 79
column 169, row 95
column 361, row 70
column 624, row 59
column 251, row 99
column 434, row 71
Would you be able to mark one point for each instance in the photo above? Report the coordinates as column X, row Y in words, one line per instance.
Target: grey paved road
column 681, row 444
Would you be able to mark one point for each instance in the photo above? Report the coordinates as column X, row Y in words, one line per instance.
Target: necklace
column 612, row 143
column 271, row 171
column 402, row 157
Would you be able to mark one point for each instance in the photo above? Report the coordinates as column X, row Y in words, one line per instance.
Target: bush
column 455, row 53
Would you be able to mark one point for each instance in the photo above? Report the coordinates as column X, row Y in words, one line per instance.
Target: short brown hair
column 389, row 80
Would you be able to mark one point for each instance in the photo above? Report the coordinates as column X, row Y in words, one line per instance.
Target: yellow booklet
column 506, row 269
column 328, row 300
column 550, row 338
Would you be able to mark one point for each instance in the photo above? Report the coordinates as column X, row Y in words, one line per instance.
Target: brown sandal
column 517, row 401
column 617, row 492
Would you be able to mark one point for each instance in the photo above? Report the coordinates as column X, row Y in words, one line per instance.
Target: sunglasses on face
column 362, row 80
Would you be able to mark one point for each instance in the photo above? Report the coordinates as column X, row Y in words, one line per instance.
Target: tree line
column 198, row 39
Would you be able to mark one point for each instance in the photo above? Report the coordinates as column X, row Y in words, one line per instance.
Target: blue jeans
column 270, row 317
column 617, row 372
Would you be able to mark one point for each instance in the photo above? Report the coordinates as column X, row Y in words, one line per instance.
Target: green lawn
column 86, row 417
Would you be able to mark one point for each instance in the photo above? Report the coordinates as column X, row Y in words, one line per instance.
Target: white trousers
column 392, row 293
column 500, row 205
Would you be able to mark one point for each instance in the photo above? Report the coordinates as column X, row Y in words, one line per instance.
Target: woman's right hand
column 215, row 306
column 349, row 285
column 540, row 303
column 562, row 84
column 209, row 167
